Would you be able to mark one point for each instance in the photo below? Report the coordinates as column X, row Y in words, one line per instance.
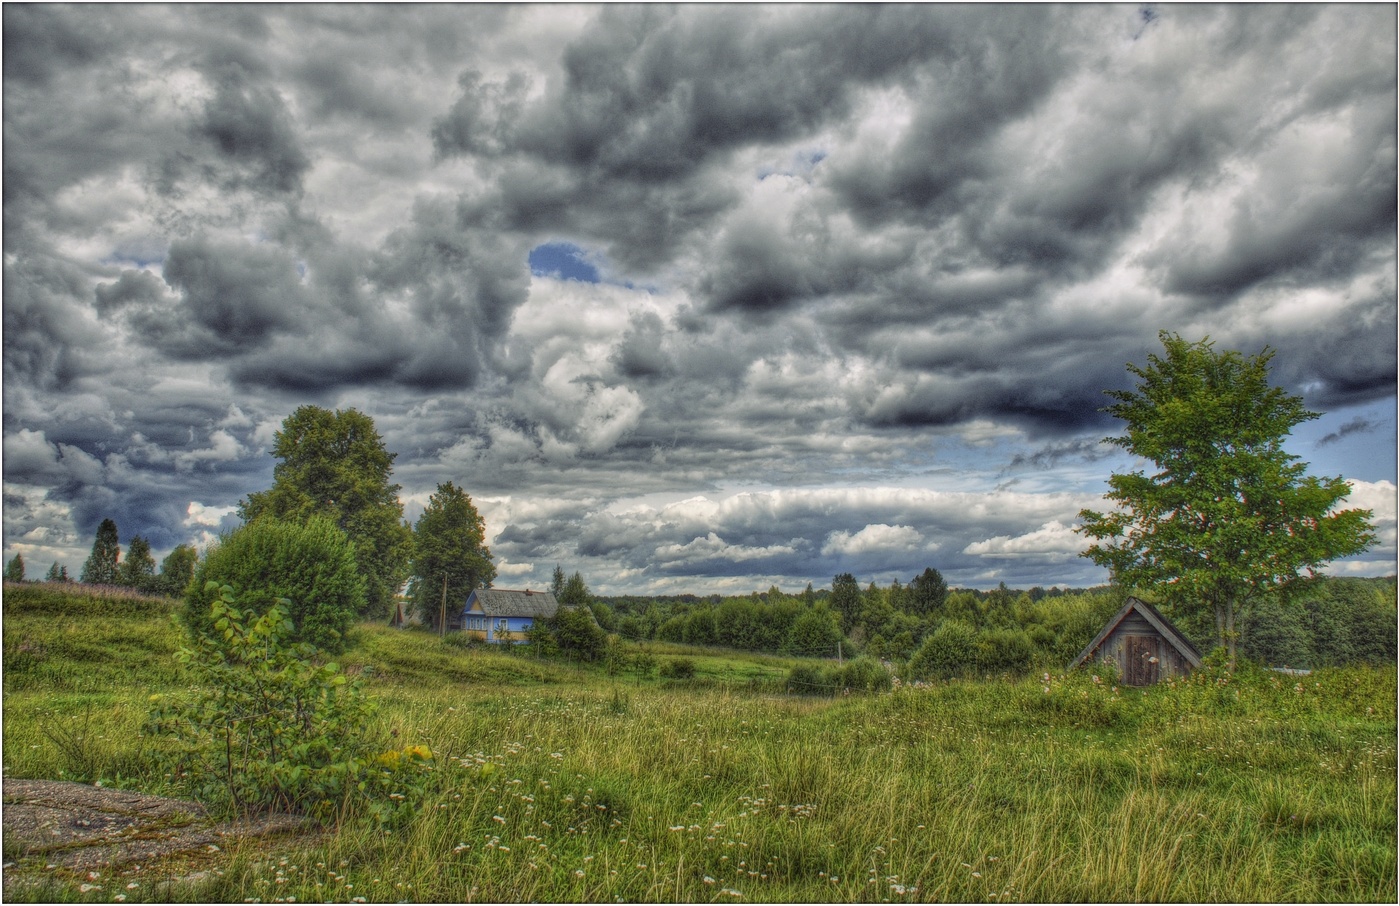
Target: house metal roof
column 506, row 602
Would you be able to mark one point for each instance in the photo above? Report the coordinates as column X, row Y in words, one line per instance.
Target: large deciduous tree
column 101, row 566
column 1229, row 515
column 334, row 465
column 449, row 547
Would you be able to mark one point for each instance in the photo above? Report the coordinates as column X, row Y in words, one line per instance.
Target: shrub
column 1004, row 651
column 645, row 663
column 813, row 679
column 678, row 668
column 816, row 632
column 266, row 727
column 312, row 566
column 950, row 651
column 577, row 633
column 865, row 674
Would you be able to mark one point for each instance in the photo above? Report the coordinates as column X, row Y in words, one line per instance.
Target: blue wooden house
column 504, row 615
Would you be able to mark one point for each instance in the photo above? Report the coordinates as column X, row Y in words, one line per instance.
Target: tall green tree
column 101, row 565
column 449, row 550
column 845, row 597
column 138, row 570
column 927, row 592
column 556, row 584
column 57, row 573
column 14, row 570
column 575, row 592
column 334, row 465
column 1228, row 515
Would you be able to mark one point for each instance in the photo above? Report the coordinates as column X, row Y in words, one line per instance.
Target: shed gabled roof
column 506, row 602
column 1153, row 616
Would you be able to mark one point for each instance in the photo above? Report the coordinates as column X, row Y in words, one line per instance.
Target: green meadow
column 557, row 782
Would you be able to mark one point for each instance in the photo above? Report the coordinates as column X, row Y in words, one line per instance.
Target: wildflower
column 88, row 888
column 578, row 872
column 709, row 880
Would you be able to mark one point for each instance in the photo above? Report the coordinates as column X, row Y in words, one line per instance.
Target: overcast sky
column 689, row 299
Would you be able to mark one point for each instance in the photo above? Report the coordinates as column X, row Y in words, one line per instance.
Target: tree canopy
column 176, row 570
column 309, row 564
column 138, row 570
column 1229, row 515
column 334, row 464
column 449, row 547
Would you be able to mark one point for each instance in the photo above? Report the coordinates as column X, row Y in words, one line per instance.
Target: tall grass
column 557, row 783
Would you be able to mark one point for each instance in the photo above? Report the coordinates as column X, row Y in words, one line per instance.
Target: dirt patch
column 53, row 825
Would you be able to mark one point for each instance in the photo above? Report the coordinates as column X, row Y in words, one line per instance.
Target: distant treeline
column 1324, row 623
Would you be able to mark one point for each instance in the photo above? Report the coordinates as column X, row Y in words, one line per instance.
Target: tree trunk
column 1231, row 637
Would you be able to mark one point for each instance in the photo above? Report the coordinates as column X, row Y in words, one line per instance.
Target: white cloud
column 1050, row 540
column 875, row 538
column 223, row 447
column 712, row 547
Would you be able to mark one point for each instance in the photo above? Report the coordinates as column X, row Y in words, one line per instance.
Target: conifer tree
column 138, row 570
column 101, row 565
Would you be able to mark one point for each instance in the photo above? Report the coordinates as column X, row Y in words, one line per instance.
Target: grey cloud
column 1357, row 425
column 42, row 40
column 132, row 287
column 249, row 126
column 837, row 239
column 485, row 117
column 232, row 298
column 641, row 353
column 47, row 339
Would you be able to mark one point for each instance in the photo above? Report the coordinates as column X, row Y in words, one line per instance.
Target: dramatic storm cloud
column 689, row 298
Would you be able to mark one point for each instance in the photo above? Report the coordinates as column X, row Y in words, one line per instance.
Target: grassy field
column 559, row 783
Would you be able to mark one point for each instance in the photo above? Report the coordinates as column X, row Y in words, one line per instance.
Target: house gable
column 1143, row 644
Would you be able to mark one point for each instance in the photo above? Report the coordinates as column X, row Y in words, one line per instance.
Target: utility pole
column 442, row 617
column 839, row 659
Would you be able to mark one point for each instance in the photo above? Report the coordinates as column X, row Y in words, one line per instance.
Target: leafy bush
column 265, row 727
column 678, row 668
column 577, row 633
column 1004, row 651
column 813, row 679
column 865, row 674
column 950, row 651
column 312, row 566
column 816, row 632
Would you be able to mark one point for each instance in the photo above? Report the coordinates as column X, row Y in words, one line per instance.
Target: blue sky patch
column 563, row 261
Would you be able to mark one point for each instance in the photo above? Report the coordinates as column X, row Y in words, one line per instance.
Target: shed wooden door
column 1142, row 660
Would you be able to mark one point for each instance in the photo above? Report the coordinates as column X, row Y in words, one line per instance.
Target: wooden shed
column 1143, row 645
